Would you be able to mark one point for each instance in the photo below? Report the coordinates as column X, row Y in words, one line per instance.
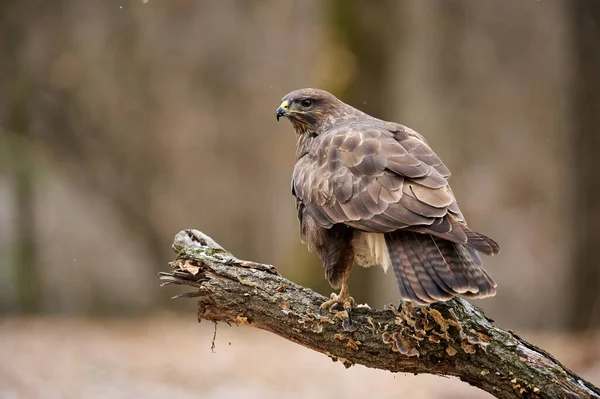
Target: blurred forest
column 123, row 122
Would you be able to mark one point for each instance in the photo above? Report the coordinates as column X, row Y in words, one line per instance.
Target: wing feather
column 381, row 178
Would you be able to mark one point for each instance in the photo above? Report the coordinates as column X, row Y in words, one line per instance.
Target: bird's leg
column 344, row 299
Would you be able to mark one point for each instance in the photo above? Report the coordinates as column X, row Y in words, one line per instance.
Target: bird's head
column 310, row 110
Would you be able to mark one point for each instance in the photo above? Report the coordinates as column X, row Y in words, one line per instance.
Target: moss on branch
column 451, row 338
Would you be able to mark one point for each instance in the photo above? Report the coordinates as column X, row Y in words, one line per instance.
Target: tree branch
column 448, row 338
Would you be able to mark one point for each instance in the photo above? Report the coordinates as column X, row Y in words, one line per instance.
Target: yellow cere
column 286, row 105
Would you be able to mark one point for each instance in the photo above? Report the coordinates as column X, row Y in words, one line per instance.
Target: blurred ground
column 171, row 357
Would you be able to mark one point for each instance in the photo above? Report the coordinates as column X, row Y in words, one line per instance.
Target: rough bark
column 453, row 338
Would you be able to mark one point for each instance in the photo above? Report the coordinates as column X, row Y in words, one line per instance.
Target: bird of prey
column 370, row 192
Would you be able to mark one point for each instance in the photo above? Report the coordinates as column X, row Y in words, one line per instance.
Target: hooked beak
column 283, row 109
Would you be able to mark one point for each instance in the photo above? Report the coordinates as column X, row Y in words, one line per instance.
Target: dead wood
column 451, row 338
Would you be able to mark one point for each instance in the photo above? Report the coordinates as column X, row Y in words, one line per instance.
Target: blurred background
column 125, row 121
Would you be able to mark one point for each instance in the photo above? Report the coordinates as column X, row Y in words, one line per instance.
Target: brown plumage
column 373, row 192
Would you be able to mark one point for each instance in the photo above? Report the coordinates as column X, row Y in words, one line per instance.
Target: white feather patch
column 378, row 250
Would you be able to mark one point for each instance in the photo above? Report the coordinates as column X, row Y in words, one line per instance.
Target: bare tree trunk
column 585, row 278
column 25, row 264
column 446, row 338
column 19, row 140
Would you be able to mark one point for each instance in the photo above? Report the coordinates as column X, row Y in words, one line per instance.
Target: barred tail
column 431, row 269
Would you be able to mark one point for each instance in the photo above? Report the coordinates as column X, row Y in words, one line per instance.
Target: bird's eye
column 306, row 103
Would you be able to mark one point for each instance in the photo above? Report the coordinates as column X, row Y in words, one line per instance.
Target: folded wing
column 381, row 178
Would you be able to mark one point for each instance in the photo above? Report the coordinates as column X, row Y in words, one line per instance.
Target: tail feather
column 418, row 277
column 450, row 229
column 448, row 259
column 430, row 269
column 400, row 259
column 483, row 282
column 439, row 291
column 481, row 243
column 453, row 282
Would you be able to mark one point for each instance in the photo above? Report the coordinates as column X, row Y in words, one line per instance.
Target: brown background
column 123, row 122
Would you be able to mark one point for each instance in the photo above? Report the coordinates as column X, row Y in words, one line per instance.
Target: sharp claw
column 338, row 304
column 349, row 312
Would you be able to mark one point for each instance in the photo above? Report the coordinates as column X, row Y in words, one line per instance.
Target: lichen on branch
column 451, row 338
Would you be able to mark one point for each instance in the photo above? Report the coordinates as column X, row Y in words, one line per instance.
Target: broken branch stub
column 451, row 338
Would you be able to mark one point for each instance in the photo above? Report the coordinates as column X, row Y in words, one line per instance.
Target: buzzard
column 370, row 192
